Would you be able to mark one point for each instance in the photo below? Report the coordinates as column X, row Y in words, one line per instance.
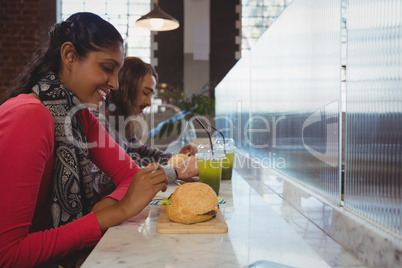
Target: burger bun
column 192, row 203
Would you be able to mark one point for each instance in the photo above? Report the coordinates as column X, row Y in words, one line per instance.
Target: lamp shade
column 157, row 20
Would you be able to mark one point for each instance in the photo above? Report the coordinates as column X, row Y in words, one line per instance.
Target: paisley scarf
column 72, row 195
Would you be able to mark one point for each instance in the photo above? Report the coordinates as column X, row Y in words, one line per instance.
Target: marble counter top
column 256, row 233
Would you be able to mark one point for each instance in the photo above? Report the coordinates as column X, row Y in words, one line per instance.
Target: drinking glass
column 229, row 149
column 210, row 166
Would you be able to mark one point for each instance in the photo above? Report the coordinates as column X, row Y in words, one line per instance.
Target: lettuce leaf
column 165, row 201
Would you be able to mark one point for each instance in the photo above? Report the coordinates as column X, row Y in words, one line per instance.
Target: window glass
column 123, row 15
column 257, row 16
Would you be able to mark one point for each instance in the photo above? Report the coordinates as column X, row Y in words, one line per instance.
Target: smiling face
column 144, row 93
column 91, row 78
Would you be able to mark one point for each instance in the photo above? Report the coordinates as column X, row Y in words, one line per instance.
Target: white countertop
column 256, row 233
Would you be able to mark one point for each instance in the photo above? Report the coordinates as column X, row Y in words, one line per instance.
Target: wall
column 23, row 26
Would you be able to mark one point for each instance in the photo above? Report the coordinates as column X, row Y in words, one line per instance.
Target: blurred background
column 190, row 60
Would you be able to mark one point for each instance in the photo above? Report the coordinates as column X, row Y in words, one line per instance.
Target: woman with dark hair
column 48, row 139
column 121, row 116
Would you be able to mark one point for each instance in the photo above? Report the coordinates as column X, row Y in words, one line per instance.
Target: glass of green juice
column 210, row 167
column 227, row 147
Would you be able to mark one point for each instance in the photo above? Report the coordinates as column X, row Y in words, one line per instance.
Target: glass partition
column 233, row 103
column 294, row 92
column 374, row 111
column 290, row 92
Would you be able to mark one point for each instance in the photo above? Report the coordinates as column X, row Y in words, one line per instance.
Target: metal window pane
column 122, row 14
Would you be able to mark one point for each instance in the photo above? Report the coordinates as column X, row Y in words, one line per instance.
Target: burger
column 192, row 203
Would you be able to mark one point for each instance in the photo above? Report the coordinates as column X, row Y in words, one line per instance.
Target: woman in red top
column 48, row 139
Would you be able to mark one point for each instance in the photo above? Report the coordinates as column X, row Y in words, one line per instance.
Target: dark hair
column 131, row 76
column 86, row 31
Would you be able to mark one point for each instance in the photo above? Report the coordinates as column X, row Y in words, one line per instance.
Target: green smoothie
column 227, row 166
column 210, row 173
column 226, row 146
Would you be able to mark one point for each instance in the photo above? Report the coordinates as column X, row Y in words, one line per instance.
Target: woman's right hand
column 146, row 183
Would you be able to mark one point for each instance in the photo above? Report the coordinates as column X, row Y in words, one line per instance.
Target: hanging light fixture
column 157, row 20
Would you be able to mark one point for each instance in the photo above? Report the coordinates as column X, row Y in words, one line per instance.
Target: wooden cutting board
column 214, row 226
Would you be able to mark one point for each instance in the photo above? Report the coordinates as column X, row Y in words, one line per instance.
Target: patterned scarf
column 72, row 195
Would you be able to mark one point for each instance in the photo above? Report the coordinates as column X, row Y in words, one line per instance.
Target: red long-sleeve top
column 26, row 161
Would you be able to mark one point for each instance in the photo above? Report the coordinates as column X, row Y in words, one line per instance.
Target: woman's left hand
column 105, row 202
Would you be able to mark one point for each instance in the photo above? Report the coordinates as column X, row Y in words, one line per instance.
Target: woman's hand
column 187, row 169
column 188, row 149
column 146, row 183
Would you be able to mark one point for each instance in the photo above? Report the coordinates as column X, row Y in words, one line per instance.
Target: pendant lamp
column 157, row 20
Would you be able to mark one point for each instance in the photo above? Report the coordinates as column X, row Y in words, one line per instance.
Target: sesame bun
column 177, row 159
column 192, row 202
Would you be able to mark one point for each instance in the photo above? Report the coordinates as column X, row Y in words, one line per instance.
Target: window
column 257, row 16
column 123, row 15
